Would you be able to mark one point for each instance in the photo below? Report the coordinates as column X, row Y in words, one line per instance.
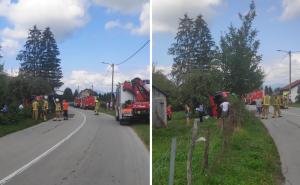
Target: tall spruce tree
column 204, row 49
column 240, row 59
column 30, row 57
column 181, row 49
column 50, row 63
column 194, row 48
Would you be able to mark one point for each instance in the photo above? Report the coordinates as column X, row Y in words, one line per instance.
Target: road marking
column 26, row 166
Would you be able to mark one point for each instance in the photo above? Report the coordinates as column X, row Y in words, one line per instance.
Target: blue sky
column 278, row 23
column 87, row 31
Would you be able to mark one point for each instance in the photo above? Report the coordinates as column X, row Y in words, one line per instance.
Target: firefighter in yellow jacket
column 97, row 106
column 35, row 110
column 276, row 106
column 57, row 110
column 266, row 105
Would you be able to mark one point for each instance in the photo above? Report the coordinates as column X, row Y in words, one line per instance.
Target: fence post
column 172, row 161
column 190, row 153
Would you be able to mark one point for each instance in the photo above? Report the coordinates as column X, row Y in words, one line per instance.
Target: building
column 159, row 107
column 295, row 90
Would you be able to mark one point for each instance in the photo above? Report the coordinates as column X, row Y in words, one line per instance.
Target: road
column 85, row 150
column 285, row 132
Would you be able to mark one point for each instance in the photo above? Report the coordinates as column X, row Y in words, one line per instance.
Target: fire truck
column 132, row 100
column 87, row 102
column 253, row 96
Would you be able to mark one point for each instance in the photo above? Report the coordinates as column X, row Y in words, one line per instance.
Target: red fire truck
column 132, row 100
column 87, row 102
column 253, row 96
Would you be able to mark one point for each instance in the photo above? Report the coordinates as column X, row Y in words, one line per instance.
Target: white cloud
column 124, row 6
column 113, row 24
column 277, row 72
column 167, row 12
column 101, row 81
column 166, row 70
column 9, row 46
column 142, row 29
column 291, row 9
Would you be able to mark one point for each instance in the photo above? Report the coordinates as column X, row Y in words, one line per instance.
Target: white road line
column 26, row 166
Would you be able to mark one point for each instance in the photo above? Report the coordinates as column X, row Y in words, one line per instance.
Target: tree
column 75, row 93
column 68, row 94
column 30, row 57
column 50, row 63
column 270, row 90
column 266, row 90
column 204, row 46
column 182, row 48
column 239, row 57
column 1, row 65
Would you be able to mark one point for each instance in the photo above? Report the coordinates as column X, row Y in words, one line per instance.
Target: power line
column 136, row 52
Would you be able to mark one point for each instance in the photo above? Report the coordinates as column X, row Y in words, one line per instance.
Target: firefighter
column 57, row 110
column 266, row 104
column 65, row 109
column 45, row 108
column 276, row 106
column 35, row 109
column 97, row 107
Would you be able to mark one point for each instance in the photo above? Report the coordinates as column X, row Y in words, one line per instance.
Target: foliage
column 193, row 47
column 75, row 93
column 239, row 56
column 40, row 57
column 257, row 162
column 68, row 94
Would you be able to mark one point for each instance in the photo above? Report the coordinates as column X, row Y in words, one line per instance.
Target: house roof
column 158, row 89
column 293, row 84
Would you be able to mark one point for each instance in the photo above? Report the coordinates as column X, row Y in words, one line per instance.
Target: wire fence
column 161, row 159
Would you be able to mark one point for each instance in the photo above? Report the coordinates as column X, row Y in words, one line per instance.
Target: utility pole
column 290, row 67
column 112, row 80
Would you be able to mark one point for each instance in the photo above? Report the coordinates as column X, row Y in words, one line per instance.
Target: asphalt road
column 285, row 132
column 85, row 150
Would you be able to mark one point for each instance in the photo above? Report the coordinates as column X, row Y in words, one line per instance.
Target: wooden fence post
column 172, row 161
column 190, row 153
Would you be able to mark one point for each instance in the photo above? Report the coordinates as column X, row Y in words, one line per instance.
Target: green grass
column 20, row 125
column 251, row 157
column 295, row 105
column 142, row 128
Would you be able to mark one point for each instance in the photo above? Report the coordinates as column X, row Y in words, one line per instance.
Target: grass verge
column 6, row 129
column 251, row 157
column 142, row 128
column 297, row 105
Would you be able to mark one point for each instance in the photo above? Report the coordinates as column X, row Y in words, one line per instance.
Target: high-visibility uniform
column 276, row 106
column 97, row 107
column 266, row 104
column 45, row 109
column 57, row 111
column 35, row 110
column 65, row 109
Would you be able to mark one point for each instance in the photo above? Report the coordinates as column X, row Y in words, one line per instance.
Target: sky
column 88, row 32
column 277, row 22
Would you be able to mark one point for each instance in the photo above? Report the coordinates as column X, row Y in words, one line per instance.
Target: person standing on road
column 57, row 110
column 266, row 104
column 45, row 108
column 277, row 103
column 258, row 103
column 187, row 114
column 65, row 109
column 35, row 110
column 97, row 107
